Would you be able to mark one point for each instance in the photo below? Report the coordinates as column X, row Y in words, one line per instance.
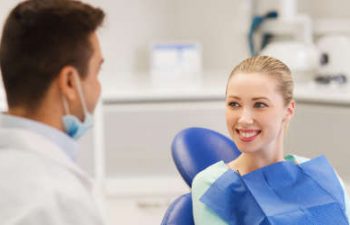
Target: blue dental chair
column 194, row 149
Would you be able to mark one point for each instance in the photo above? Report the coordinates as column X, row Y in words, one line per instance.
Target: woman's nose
column 245, row 117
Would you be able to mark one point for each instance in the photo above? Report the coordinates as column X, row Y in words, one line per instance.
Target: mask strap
column 65, row 105
column 81, row 94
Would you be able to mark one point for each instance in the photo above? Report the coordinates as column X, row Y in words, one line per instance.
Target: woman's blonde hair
column 271, row 67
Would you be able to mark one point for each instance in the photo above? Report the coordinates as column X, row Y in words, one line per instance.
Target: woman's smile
column 248, row 135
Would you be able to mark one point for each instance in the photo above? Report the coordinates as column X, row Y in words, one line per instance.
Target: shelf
column 145, row 186
column 211, row 88
column 327, row 26
column 320, row 27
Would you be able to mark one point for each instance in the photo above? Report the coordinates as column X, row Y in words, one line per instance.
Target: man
column 50, row 58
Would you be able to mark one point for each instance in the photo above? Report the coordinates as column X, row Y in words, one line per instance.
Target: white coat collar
column 61, row 139
column 26, row 140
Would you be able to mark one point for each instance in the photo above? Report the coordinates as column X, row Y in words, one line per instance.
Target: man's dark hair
column 39, row 38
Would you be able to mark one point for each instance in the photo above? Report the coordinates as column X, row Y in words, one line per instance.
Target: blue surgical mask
column 74, row 127
column 72, row 124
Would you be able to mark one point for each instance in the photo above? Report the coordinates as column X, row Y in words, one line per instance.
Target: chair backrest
column 179, row 212
column 195, row 148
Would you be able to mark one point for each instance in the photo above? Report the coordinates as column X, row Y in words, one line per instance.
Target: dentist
column 50, row 59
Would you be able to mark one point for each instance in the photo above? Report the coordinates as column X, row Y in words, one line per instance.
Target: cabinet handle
column 151, row 204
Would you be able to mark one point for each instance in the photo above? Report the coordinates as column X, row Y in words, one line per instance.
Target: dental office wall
column 132, row 26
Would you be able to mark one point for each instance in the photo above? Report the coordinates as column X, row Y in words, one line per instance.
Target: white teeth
column 248, row 134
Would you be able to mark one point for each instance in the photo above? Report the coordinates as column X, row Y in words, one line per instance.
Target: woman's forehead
column 252, row 84
column 252, row 79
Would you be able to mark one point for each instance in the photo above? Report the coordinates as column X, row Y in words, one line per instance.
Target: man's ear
column 67, row 83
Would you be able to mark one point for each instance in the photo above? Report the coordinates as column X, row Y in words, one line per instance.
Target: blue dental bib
column 283, row 193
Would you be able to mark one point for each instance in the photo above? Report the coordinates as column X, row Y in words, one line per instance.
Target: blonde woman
column 263, row 185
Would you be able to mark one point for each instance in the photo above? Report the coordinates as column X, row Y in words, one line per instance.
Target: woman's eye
column 260, row 105
column 233, row 104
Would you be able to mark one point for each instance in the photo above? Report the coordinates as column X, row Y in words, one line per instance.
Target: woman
column 262, row 185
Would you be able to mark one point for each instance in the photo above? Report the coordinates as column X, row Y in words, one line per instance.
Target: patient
column 263, row 185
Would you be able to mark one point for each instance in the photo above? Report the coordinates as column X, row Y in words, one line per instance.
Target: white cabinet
column 138, row 135
column 141, row 177
column 136, row 211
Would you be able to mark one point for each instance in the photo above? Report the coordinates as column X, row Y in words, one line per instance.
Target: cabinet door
column 322, row 129
column 138, row 136
column 136, row 211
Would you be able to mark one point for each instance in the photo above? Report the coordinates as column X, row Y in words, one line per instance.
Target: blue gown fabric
column 283, row 193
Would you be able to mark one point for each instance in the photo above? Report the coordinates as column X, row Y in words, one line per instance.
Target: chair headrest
column 195, row 148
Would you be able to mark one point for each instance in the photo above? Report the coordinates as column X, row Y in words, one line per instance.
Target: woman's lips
column 247, row 135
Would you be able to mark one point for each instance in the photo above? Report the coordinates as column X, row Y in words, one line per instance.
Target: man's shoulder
column 30, row 172
column 31, row 181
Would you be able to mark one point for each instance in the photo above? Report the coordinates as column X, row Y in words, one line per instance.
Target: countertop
column 207, row 86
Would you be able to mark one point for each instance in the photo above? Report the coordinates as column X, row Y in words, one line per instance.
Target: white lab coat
column 39, row 185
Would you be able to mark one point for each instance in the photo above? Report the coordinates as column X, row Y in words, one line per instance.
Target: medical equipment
column 335, row 54
column 255, row 25
column 299, row 51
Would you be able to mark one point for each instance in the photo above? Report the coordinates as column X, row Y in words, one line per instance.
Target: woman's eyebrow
column 233, row 96
column 260, row 98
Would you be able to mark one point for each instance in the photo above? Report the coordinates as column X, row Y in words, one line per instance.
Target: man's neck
column 43, row 116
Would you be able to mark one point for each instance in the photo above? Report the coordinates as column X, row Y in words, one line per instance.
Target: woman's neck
column 267, row 155
column 248, row 162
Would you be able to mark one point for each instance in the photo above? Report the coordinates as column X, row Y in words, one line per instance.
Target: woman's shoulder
column 210, row 174
column 296, row 158
column 201, row 183
column 300, row 159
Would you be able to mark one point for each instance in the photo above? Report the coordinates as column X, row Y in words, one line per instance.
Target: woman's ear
column 67, row 83
column 291, row 109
